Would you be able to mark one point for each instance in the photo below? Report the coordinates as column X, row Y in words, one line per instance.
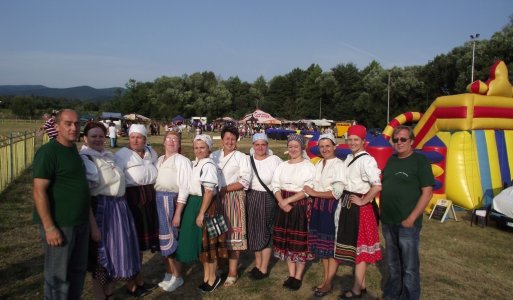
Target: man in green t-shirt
column 62, row 208
column 407, row 188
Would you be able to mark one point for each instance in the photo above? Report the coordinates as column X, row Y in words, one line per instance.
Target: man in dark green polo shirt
column 407, row 188
column 62, row 208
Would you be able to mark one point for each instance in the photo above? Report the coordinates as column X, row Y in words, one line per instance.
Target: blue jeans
column 65, row 266
column 402, row 252
column 113, row 142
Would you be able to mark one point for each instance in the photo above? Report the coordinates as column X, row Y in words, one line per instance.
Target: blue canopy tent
column 178, row 119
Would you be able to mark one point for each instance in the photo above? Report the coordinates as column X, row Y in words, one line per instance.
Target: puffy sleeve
column 184, row 175
column 246, row 172
column 339, row 180
column 92, row 174
column 370, row 171
column 208, row 177
column 308, row 173
column 275, row 182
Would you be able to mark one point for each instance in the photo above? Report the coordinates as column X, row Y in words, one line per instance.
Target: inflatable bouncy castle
column 468, row 138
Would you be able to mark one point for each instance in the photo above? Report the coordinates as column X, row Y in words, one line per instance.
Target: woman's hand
column 357, row 200
column 95, row 234
column 199, row 220
column 176, row 221
column 309, row 190
column 284, row 205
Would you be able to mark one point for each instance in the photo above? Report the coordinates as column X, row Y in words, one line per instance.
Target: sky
column 105, row 43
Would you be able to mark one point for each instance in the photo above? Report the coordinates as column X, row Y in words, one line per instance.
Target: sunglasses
column 403, row 140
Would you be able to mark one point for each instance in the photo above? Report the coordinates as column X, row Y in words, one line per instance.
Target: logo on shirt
column 401, row 173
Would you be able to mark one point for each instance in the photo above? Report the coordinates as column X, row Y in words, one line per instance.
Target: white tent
column 262, row 117
column 136, row 117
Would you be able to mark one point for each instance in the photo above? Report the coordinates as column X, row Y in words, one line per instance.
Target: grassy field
column 457, row 261
column 8, row 125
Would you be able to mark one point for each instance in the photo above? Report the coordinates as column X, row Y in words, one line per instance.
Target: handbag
column 260, row 180
column 216, row 225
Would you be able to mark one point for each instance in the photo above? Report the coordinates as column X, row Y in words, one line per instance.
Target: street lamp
column 388, row 99
column 473, row 37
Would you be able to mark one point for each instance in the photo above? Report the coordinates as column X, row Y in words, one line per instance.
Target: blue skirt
column 168, row 234
column 117, row 253
column 321, row 229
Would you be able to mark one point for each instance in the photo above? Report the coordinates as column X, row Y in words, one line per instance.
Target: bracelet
column 50, row 229
column 306, row 195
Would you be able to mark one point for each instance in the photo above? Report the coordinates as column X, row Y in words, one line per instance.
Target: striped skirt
column 168, row 234
column 321, row 229
column 142, row 204
column 116, row 255
column 234, row 209
column 190, row 234
column 290, row 231
column 260, row 207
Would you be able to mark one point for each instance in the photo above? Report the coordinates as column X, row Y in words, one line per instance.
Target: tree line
column 343, row 92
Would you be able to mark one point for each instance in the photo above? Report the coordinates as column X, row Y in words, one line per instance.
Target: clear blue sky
column 104, row 43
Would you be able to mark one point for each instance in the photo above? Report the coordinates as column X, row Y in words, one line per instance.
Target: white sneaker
column 165, row 281
column 173, row 284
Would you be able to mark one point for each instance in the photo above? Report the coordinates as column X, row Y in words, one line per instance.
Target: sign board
column 443, row 209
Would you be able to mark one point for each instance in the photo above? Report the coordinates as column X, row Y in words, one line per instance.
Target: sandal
column 319, row 293
column 349, row 294
column 230, row 280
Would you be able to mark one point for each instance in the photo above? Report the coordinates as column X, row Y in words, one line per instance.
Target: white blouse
column 293, row 177
column 330, row 177
column 104, row 177
column 265, row 168
column 235, row 167
column 362, row 174
column 204, row 173
column 174, row 174
column 138, row 171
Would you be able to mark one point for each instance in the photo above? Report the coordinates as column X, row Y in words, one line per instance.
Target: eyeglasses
column 403, row 140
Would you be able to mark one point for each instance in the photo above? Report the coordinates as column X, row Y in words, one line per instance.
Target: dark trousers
column 65, row 266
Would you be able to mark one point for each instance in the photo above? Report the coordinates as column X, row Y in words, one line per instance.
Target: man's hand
column 54, row 237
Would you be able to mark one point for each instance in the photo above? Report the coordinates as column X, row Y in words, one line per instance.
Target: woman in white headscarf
column 138, row 163
column 202, row 203
column 261, row 204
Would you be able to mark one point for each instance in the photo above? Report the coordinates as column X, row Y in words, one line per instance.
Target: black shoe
column 202, row 286
column 287, row 282
column 295, row 284
column 259, row 275
column 138, row 292
column 210, row 288
column 147, row 286
column 253, row 273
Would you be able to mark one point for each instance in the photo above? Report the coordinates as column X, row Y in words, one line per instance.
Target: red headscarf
column 358, row 130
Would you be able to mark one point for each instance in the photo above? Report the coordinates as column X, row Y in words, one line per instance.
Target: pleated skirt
column 142, row 204
column 116, row 256
column 290, row 231
column 260, row 208
column 190, row 234
column 321, row 229
column 234, row 210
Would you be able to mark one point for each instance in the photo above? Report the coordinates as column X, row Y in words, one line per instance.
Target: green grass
column 457, row 261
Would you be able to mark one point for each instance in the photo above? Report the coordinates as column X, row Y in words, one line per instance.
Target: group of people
column 133, row 201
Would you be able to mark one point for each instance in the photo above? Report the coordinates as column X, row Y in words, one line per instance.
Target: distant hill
column 84, row 93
